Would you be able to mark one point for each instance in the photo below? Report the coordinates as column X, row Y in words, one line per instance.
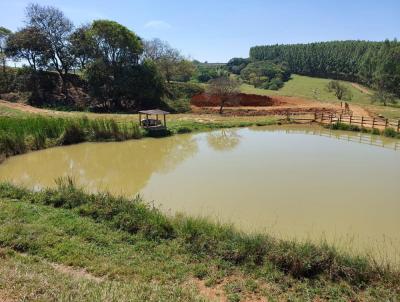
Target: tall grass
column 388, row 132
column 21, row 134
column 206, row 240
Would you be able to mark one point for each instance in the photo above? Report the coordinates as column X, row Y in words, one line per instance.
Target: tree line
column 375, row 64
column 119, row 69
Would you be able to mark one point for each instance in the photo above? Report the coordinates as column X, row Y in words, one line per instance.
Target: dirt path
column 291, row 104
column 29, row 109
column 361, row 88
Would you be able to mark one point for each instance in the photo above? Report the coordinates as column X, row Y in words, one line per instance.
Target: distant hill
column 370, row 63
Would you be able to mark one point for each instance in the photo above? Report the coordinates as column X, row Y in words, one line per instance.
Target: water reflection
column 293, row 181
column 122, row 168
column 356, row 137
column 223, row 140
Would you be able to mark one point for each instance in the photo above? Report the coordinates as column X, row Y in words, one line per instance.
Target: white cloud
column 158, row 24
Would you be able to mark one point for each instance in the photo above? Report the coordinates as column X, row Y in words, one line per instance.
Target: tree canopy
column 370, row 63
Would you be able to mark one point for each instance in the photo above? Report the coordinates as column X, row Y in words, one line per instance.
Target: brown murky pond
column 295, row 182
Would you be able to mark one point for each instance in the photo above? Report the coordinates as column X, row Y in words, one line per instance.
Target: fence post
column 398, row 126
column 386, row 123
column 362, row 121
column 322, row 117
column 315, row 116
column 373, row 123
column 340, row 118
column 331, row 118
column 351, row 117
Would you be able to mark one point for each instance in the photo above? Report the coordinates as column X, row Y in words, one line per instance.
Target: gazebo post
column 150, row 124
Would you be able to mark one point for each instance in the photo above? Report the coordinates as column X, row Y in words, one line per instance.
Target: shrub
column 376, row 131
column 11, row 143
column 73, row 134
column 183, row 129
column 390, row 132
column 205, row 238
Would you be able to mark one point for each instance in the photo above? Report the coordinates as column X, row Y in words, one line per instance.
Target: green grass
column 315, row 89
column 34, row 132
column 21, row 134
column 187, row 126
column 388, row 132
column 138, row 251
column 5, row 111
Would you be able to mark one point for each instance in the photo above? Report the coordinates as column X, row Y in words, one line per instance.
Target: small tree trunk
column 221, row 108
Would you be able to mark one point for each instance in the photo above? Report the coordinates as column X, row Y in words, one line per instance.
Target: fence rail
column 346, row 118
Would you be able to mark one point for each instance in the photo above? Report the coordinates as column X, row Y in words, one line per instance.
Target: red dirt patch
column 277, row 105
column 240, row 99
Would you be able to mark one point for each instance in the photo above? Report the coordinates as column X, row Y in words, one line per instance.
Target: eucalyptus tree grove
column 375, row 64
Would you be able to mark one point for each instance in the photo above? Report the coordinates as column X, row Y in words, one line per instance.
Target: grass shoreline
column 212, row 252
column 19, row 135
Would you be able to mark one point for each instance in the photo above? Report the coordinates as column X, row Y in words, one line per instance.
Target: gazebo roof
column 154, row 111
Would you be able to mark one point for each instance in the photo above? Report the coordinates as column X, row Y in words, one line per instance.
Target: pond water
column 292, row 181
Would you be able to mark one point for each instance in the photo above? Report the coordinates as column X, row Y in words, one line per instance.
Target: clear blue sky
column 217, row 30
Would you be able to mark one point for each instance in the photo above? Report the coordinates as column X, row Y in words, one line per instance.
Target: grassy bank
column 34, row 132
column 132, row 247
column 22, row 134
column 316, row 89
column 388, row 132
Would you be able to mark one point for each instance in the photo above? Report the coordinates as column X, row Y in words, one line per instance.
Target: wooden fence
column 346, row 118
column 362, row 121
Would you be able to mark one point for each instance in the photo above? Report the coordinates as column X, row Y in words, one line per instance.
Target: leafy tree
column 236, row 65
column 82, row 46
column 340, row 90
column 57, row 29
column 225, row 88
column 383, row 97
column 4, row 34
column 387, row 73
column 375, row 64
column 28, row 44
column 184, row 71
column 206, row 72
column 265, row 74
column 171, row 63
column 115, row 44
column 115, row 76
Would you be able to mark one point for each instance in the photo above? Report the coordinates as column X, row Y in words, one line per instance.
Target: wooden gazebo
column 151, row 123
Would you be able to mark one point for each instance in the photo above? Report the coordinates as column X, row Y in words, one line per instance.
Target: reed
column 21, row 134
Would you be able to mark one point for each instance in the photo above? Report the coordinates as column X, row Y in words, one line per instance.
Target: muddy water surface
column 296, row 182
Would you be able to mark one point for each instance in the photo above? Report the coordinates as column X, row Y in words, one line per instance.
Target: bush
column 180, row 105
column 390, row 132
column 11, row 143
column 183, row 129
column 205, row 238
column 376, row 131
column 73, row 134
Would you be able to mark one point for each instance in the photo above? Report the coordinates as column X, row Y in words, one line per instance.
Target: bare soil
column 282, row 105
column 75, row 272
column 26, row 108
